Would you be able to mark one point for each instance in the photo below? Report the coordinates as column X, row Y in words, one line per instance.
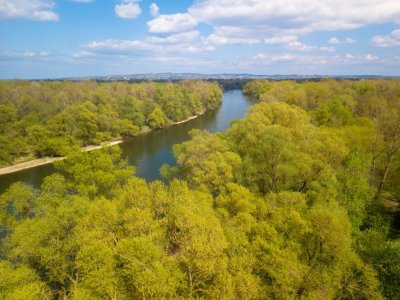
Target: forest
column 42, row 118
column 298, row 200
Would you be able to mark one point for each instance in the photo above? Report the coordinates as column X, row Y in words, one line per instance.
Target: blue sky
column 66, row 38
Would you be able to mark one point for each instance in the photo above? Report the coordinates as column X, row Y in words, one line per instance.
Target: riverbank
column 190, row 118
column 48, row 160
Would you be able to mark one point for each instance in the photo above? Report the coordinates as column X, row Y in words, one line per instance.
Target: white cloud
column 182, row 42
column 118, row 45
column 328, row 49
column 174, row 38
column 115, row 46
column 45, row 16
column 391, row 40
column 358, row 59
column 177, row 60
column 361, row 59
column 334, row 40
column 172, row 23
column 83, row 1
column 29, row 54
column 82, row 54
column 283, row 39
column 291, row 42
column 350, row 41
column 288, row 57
column 283, row 57
column 259, row 17
column 371, row 57
column 26, row 54
column 41, row 10
column 128, row 10
column 300, row 46
column 222, row 40
column 349, row 56
column 274, row 58
column 154, row 9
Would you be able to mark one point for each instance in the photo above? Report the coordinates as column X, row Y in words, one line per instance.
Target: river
column 150, row 151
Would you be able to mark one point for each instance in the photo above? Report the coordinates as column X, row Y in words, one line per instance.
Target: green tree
column 282, row 150
column 47, row 243
column 355, row 193
column 16, row 204
column 20, row 283
column 192, row 228
column 8, row 115
column 97, row 173
column 207, row 161
column 157, row 118
column 384, row 256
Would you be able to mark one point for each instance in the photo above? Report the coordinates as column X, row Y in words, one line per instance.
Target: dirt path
column 190, row 118
column 29, row 164
column 48, row 160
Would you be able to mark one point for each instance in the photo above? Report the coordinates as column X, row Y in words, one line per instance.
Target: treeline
column 46, row 118
column 232, row 84
column 286, row 204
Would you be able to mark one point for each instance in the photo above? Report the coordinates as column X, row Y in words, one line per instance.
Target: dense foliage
column 290, row 202
column 46, row 118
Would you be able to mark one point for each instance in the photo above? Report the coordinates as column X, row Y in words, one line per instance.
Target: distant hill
column 223, row 76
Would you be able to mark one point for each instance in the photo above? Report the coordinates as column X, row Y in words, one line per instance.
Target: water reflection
column 148, row 152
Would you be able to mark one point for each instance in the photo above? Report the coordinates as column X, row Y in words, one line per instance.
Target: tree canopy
column 48, row 118
column 291, row 202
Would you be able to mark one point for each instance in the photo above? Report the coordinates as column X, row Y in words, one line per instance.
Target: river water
column 150, row 151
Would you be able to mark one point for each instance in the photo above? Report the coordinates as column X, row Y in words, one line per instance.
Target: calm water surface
column 150, row 151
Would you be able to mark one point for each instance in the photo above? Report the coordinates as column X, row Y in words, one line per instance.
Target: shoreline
column 189, row 118
column 48, row 160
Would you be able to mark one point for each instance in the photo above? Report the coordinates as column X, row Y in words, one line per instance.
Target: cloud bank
column 255, row 17
column 391, row 40
column 41, row 10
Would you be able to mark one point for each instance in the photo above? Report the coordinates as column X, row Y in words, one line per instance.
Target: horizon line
column 202, row 75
